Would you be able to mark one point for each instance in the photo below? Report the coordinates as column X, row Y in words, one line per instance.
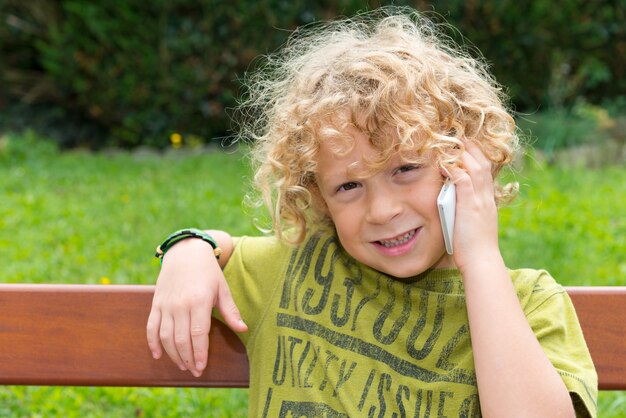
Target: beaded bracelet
column 184, row 234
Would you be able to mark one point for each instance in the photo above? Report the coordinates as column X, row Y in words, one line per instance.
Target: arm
column 189, row 286
column 515, row 377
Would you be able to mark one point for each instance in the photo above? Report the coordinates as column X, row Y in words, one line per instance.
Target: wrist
column 187, row 235
column 485, row 260
column 187, row 251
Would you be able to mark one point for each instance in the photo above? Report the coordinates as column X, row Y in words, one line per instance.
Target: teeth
column 398, row 241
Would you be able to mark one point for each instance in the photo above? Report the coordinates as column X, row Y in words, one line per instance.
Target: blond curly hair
column 392, row 68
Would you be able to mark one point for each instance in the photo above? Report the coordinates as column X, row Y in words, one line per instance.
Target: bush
column 139, row 70
column 129, row 72
column 547, row 53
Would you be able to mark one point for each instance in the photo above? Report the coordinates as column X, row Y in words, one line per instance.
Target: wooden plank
column 602, row 315
column 96, row 336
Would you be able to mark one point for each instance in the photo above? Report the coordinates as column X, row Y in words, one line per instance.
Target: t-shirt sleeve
column 552, row 317
column 253, row 274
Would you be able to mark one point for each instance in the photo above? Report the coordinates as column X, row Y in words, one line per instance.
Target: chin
column 403, row 273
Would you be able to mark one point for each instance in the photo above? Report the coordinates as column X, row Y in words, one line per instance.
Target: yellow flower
column 176, row 139
column 105, row 280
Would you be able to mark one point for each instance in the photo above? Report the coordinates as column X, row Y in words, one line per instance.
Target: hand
column 476, row 219
column 189, row 285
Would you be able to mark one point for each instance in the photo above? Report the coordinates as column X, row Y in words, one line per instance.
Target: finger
column 229, row 310
column 182, row 340
column 152, row 333
column 166, row 334
column 462, row 180
column 474, row 184
column 477, row 153
column 474, row 160
column 478, row 173
column 200, row 327
column 466, row 165
column 479, row 168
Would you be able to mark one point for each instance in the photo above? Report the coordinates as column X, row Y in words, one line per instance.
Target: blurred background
column 113, row 113
column 126, row 73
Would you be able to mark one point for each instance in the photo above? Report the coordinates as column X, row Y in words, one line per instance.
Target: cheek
column 346, row 222
column 341, row 221
column 425, row 195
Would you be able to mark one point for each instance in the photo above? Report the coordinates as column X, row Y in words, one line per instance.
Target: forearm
column 515, row 377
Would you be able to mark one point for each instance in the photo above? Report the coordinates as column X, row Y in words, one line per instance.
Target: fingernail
column 182, row 367
column 199, row 365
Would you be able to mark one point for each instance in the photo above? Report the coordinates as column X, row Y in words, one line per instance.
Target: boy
column 355, row 308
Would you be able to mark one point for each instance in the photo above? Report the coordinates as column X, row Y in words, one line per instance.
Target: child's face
column 389, row 220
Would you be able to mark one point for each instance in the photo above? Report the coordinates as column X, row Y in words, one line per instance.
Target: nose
column 383, row 205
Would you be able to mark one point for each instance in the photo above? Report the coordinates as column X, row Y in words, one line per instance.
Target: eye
column 348, row 186
column 406, row 168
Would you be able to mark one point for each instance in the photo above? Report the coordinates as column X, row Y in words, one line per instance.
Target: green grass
column 74, row 402
column 93, row 218
column 570, row 222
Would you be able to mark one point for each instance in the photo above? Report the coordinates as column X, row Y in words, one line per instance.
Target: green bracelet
column 184, row 234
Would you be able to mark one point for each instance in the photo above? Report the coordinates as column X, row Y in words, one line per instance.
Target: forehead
column 350, row 133
column 361, row 161
column 345, row 129
column 343, row 155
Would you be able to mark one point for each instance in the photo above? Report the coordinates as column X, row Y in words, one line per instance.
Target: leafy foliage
column 130, row 72
column 547, row 53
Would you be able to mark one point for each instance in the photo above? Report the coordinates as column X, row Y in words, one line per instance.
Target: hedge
column 130, row 72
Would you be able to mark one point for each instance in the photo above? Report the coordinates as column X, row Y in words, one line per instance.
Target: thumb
column 227, row 307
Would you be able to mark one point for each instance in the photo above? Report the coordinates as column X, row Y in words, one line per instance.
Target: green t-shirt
column 330, row 337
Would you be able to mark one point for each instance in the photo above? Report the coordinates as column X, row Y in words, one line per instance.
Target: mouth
column 397, row 240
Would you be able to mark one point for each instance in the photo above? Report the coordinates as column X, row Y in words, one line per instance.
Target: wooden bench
column 94, row 335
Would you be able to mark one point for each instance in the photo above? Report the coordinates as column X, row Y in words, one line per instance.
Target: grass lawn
column 95, row 218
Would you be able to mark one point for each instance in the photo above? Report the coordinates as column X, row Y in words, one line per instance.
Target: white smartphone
column 446, row 203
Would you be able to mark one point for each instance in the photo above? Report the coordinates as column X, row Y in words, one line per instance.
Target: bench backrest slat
column 602, row 315
column 94, row 335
